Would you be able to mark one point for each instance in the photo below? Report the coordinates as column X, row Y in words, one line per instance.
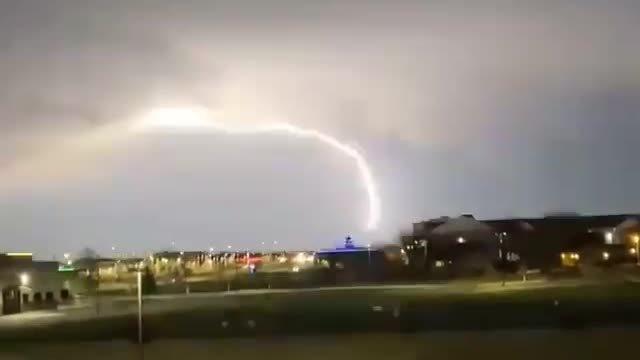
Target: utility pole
column 139, row 307
column 425, row 244
column 636, row 241
column 97, row 268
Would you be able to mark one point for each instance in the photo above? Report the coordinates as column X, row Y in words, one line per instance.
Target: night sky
column 496, row 108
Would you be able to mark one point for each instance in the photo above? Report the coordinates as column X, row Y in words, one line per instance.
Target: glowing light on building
column 199, row 119
column 608, row 237
column 24, row 279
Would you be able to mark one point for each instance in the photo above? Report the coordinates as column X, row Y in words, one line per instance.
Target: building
column 30, row 285
column 357, row 262
column 531, row 242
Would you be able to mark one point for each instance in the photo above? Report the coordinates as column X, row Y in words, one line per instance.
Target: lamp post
column 425, row 244
column 636, row 241
column 139, row 306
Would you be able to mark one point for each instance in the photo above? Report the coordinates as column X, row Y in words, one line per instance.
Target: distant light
column 210, row 249
column 632, row 251
column 113, row 248
column 605, row 255
column 636, row 238
column 295, row 269
column 181, row 252
column 608, row 237
column 300, row 258
column 461, row 240
column 24, row 279
column 19, row 254
column 228, row 246
column 66, row 256
column 69, row 262
column 64, row 268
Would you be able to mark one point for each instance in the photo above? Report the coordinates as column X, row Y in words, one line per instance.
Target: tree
column 88, row 253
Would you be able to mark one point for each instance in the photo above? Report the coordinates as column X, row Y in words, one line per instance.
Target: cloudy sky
column 496, row 108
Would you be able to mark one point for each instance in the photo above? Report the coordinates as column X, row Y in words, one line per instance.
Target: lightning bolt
column 201, row 119
column 177, row 120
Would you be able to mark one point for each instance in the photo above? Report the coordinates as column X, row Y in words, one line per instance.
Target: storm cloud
column 498, row 108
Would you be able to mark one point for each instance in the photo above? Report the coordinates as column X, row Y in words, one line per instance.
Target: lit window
column 608, row 237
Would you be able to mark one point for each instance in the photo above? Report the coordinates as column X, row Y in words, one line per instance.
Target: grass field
column 366, row 310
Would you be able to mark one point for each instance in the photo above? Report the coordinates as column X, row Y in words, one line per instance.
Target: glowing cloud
column 199, row 119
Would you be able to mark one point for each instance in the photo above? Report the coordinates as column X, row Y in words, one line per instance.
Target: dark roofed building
column 537, row 241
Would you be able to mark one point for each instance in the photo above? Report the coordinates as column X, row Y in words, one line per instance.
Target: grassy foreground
column 397, row 310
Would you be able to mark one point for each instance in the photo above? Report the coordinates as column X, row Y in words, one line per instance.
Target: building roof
column 568, row 221
column 510, row 225
column 460, row 225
